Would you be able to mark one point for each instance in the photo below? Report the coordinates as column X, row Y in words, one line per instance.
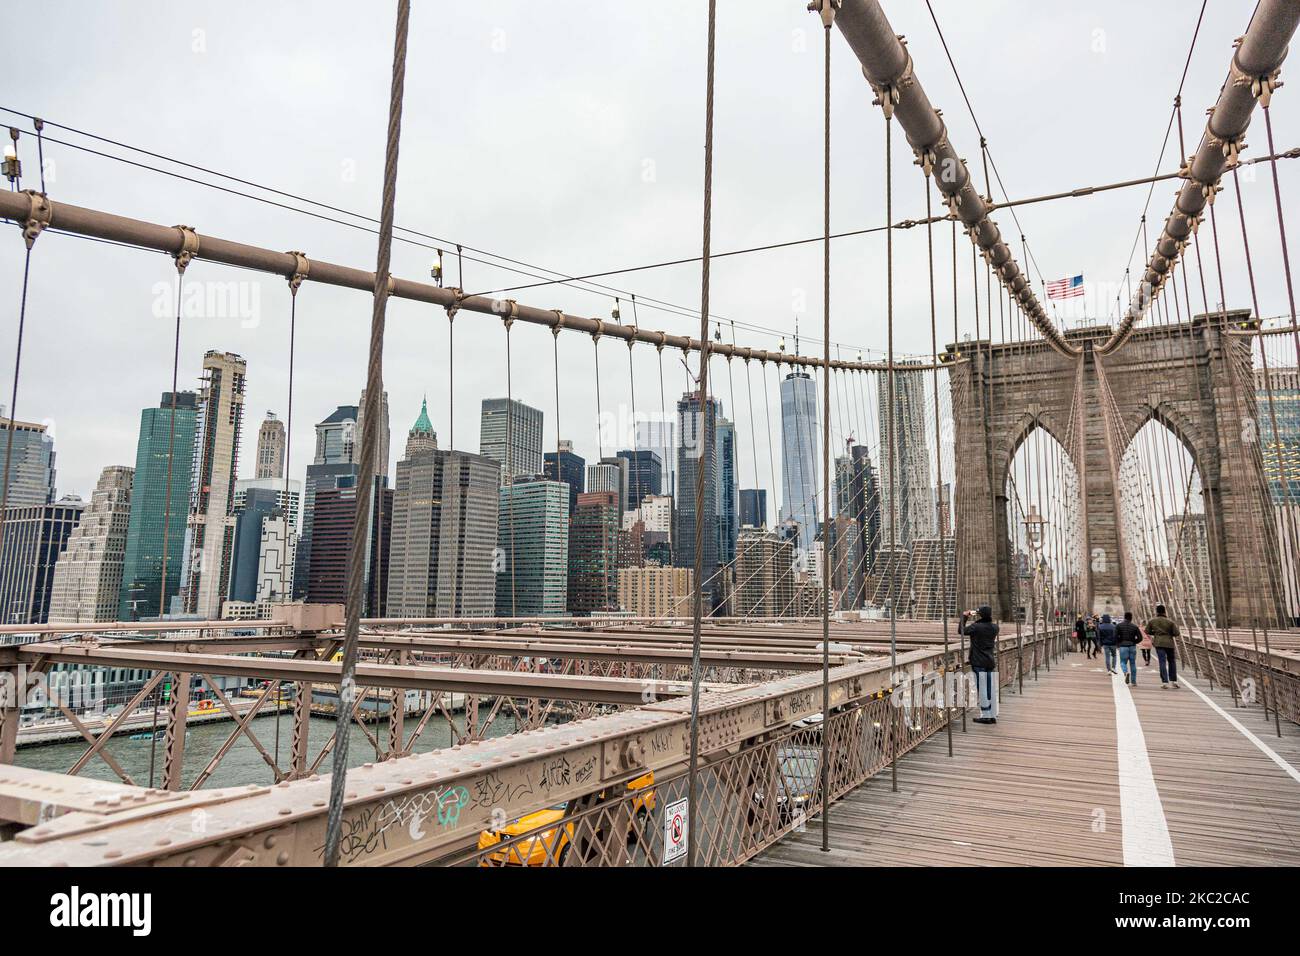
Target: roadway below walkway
column 1080, row 770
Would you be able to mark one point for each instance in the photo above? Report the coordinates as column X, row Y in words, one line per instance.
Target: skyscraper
column 765, row 576
column 655, row 513
column 30, row 544
column 841, row 560
column 153, row 519
column 335, row 461
column 610, row 474
column 753, row 508
column 914, row 508
column 524, row 430
column 563, row 465
column 645, row 475
column 934, row 579
column 444, row 535
column 421, row 437
column 31, row 466
column 256, row 507
column 275, row 562
column 270, row 448
column 88, row 575
column 593, row 553
column 1188, row 541
column 658, row 436
column 799, row 455
column 336, row 437
column 533, row 535
column 382, row 450
column 288, row 495
column 1280, row 448
column 857, row 496
column 331, row 547
column 728, row 484
column 698, row 460
column 210, row 530
column 654, row 591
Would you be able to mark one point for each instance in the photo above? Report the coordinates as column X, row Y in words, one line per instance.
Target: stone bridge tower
column 1195, row 378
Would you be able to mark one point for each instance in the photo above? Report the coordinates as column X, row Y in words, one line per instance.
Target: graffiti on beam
column 492, row 791
column 367, row 830
column 556, row 773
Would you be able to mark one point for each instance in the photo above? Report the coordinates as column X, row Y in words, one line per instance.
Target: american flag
column 1065, row 288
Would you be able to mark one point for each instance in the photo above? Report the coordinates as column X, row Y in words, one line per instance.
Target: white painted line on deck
column 1143, row 829
column 1268, row 751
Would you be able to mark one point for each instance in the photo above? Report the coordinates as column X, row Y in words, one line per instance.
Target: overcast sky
column 568, row 135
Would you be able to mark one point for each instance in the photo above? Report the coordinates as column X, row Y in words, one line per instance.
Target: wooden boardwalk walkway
column 1080, row 771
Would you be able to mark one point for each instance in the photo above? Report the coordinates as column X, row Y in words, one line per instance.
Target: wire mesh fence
column 749, row 798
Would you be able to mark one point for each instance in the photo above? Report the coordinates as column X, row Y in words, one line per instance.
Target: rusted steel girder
column 605, row 690
column 415, row 808
column 430, row 643
column 888, row 68
column 20, row 206
column 142, row 627
column 1252, row 76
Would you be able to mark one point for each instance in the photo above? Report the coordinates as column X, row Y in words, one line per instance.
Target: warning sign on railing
column 674, row 831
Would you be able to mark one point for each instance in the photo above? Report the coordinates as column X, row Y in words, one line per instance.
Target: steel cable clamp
column 189, row 248
column 38, row 216
column 302, row 267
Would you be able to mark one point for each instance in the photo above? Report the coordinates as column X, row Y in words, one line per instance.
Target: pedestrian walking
column 1127, row 638
column 1145, row 646
column 1106, row 638
column 1163, row 631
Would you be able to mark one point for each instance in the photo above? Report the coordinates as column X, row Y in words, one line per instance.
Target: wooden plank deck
column 1042, row 787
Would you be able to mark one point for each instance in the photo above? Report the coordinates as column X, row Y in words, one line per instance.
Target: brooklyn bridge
column 965, row 565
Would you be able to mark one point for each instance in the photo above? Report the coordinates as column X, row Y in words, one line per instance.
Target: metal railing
column 767, row 788
column 1256, row 678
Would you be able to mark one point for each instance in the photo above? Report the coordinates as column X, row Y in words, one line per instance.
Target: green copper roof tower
column 421, row 437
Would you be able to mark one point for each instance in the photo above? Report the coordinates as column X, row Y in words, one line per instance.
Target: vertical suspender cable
column 510, row 464
column 13, row 400
column 294, row 282
column 369, row 438
column 938, row 452
column 182, row 261
column 891, row 566
column 702, row 441
column 958, row 563
column 1281, row 460
column 828, row 18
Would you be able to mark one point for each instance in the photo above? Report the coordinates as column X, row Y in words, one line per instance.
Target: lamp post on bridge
column 1033, row 523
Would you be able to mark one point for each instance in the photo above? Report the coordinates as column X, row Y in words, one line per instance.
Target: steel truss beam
column 414, row 809
column 603, row 690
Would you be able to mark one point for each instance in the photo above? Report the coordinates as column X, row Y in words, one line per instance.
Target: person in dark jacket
column 1127, row 638
column 983, row 634
column 1090, row 631
column 1106, row 638
column 1163, row 631
column 1081, row 635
